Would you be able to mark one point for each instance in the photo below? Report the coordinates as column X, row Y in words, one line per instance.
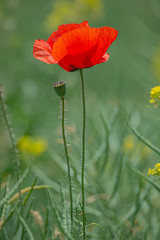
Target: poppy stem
column 68, row 163
column 83, row 155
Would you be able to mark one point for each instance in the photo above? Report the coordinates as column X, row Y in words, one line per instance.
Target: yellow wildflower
column 33, row 146
column 155, row 95
column 155, row 170
column 157, row 165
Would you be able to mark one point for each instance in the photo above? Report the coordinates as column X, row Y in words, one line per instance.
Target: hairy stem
column 68, row 163
column 83, row 155
column 16, row 159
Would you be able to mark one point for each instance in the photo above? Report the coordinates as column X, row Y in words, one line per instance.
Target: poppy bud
column 60, row 88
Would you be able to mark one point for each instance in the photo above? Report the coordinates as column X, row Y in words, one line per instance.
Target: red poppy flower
column 75, row 46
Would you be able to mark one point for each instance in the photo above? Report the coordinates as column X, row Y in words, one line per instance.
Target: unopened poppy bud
column 60, row 88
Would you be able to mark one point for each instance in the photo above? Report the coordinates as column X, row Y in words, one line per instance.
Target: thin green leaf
column 59, row 221
column 27, row 216
column 46, row 225
column 29, row 208
column 4, row 206
column 11, row 192
column 133, row 210
column 118, row 175
column 144, row 140
column 59, row 161
column 5, row 235
column 64, row 209
column 25, row 226
column 10, row 214
column 77, row 204
column 4, row 211
column 146, row 178
column 43, row 177
column 95, row 224
column 30, row 192
column 98, row 153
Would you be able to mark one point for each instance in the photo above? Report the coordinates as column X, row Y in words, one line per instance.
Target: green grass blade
column 95, row 224
column 5, row 205
column 43, row 177
column 133, row 209
column 118, row 175
column 98, row 153
column 5, row 235
column 144, row 140
column 59, row 221
column 64, row 210
column 56, row 158
column 3, row 216
column 30, row 192
column 146, row 178
column 46, row 225
column 27, row 215
column 25, row 226
column 11, row 192
column 77, row 205
column 10, row 214
column 29, row 208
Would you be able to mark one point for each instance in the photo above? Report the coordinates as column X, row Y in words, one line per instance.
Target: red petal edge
column 42, row 51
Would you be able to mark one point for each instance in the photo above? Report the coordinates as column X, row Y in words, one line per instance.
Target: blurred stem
column 68, row 163
column 16, row 161
column 83, row 154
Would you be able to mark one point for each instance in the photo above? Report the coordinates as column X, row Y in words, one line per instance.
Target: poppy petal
column 64, row 29
column 83, row 47
column 107, row 36
column 43, row 52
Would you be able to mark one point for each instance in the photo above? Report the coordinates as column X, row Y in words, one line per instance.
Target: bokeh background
column 115, row 91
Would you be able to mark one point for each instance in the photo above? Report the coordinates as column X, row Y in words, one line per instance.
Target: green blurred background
column 125, row 80
column 120, row 85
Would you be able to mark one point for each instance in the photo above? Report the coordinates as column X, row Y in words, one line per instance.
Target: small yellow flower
column 149, row 171
column 155, row 95
column 155, row 170
column 33, row 146
column 157, row 165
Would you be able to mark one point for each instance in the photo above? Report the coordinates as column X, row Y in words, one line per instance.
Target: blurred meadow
column 123, row 133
